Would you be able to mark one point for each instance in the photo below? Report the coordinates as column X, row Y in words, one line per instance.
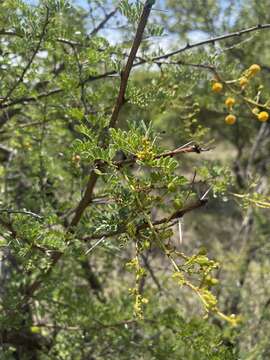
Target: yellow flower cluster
column 248, row 74
column 218, row 86
column 146, row 153
column 230, row 119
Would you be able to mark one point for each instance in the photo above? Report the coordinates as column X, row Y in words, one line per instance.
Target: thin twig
column 208, row 67
column 264, row 130
column 151, row 272
column 24, row 212
column 213, row 40
column 103, row 22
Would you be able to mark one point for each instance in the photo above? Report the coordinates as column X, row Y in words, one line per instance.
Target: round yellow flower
column 263, row 116
column 230, row 101
column 217, row 87
column 254, row 69
column 230, row 119
column 243, row 82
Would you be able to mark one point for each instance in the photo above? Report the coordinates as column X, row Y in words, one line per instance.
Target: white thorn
column 96, row 244
column 180, row 232
column 205, row 194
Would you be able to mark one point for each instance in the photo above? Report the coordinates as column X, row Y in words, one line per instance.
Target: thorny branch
column 213, row 40
column 176, row 215
column 181, row 150
column 156, row 59
column 87, row 197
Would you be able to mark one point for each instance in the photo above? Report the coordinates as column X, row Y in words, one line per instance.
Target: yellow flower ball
column 243, row 82
column 230, row 101
column 263, row 116
column 254, row 69
column 217, row 87
column 230, row 119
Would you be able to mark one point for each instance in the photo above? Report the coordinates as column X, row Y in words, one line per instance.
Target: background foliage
column 134, row 225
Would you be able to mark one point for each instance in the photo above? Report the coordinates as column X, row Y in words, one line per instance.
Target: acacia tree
column 93, row 190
